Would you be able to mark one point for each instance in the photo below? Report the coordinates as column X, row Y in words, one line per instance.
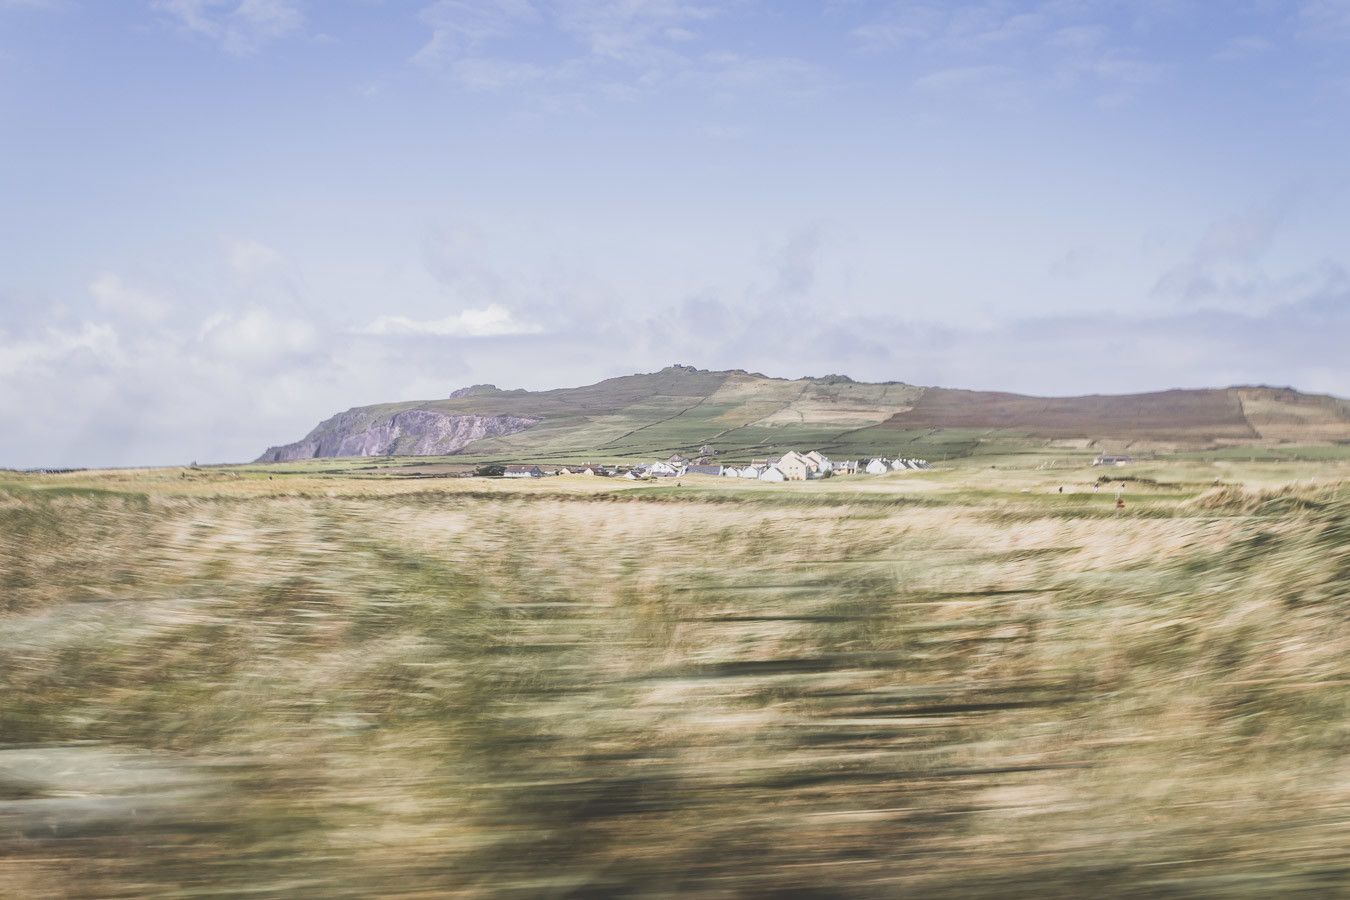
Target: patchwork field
column 276, row 681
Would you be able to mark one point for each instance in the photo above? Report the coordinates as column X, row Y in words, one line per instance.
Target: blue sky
column 222, row 220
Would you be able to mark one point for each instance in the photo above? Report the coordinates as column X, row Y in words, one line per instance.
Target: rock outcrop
column 409, row 432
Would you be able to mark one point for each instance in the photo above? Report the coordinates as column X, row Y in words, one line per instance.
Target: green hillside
column 742, row 415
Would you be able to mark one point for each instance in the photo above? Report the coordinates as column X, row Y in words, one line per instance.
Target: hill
column 738, row 413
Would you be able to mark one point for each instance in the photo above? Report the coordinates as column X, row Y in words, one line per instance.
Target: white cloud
column 614, row 49
column 249, row 257
column 1009, row 51
column 1243, row 48
column 962, row 77
column 629, row 31
column 1327, row 20
column 32, row 4
column 490, row 321
column 113, row 295
column 458, row 26
column 485, row 74
column 239, row 26
column 57, row 348
column 256, row 336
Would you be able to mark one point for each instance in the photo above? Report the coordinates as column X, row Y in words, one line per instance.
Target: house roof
column 703, row 470
column 519, row 468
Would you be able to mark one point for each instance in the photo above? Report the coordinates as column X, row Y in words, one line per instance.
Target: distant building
column 822, row 463
column 795, row 467
column 662, row 469
column 677, row 460
column 751, row 471
column 845, row 467
column 523, row 472
column 1108, row 459
column 703, row 470
column 772, row 473
column 877, row 467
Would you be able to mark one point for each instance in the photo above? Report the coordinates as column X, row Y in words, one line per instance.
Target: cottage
column 845, row 467
column 772, row 473
column 898, row 465
column 523, row 472
column 662, row 470
column 822, row 463
column 795, row 467
column 1110, row 459
column 752, row 471
column 677, row 460
column 877, row 467
column 703, row 470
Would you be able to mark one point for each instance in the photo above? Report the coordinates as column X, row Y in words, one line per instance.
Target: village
column 791, row 466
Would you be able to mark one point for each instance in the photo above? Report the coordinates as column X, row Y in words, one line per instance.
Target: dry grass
column 936, row 685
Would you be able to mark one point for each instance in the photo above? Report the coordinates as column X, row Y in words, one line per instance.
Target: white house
column 523, row 472
column 1112, row 459
column 661, row 469
column 877, row 467
column 772, row 473
column 795, row 466
column 751, row 472
column 822, row 462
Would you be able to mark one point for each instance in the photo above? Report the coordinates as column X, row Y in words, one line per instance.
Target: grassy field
column 319, row 680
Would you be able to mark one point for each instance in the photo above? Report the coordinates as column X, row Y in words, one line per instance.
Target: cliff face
column 411, row 432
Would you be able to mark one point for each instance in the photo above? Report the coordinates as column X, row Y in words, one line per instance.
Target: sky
column 224, row 220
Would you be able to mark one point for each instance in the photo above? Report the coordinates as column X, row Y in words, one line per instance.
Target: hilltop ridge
column 681, row 407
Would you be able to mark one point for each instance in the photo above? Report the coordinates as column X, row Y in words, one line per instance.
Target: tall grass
column 344, row 688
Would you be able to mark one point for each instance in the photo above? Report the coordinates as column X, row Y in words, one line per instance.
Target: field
column 320, row 680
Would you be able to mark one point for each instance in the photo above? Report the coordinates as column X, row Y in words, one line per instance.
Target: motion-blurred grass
column 218, row 685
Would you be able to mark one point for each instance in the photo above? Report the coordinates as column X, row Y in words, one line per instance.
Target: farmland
column 319, row 679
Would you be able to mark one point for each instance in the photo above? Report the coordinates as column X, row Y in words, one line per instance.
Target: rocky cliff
column 409, row 432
